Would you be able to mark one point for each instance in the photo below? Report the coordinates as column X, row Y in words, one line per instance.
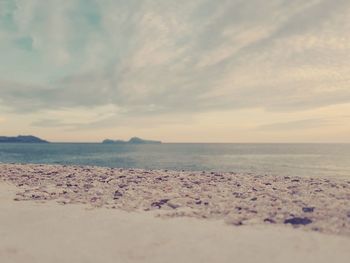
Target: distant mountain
column 133, row 140
column 108, row 141
column 21, row 139
column 137, row 140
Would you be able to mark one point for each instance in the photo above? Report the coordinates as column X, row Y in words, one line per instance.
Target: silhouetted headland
column 133, row 140
column 21, row 139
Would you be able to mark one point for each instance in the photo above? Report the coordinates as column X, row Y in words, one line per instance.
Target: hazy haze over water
column 328, row 160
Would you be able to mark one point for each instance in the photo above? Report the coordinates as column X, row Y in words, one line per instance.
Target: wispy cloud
column 149, row 58
column 295, row 125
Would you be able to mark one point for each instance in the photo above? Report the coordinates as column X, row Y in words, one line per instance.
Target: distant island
column 133, row 140
column 21, row 139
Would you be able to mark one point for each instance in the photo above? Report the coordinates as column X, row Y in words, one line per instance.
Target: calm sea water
column 329, row 160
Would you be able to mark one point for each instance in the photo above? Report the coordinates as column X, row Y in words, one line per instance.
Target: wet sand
column 90, row 214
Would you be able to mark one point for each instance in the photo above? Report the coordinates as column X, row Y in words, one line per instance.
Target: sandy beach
column 152, row 131
column 53, row 213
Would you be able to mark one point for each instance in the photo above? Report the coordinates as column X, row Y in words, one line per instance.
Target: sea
column 320, row 160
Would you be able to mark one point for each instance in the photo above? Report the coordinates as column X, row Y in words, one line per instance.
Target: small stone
column 117, row 194
column 160, row 203
column 308, row 209
column 298, row 221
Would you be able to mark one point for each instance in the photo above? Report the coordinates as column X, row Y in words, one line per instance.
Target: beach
column 55, row 213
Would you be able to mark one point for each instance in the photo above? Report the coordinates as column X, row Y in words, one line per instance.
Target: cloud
column 75, row 117
column 294, row 125
column 149, row 58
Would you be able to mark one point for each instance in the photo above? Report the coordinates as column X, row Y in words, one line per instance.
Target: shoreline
column 316, row 204
column 338, row 179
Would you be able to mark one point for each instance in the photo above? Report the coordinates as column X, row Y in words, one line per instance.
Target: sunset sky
column 176, row 70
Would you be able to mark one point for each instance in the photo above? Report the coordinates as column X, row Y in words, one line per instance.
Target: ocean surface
column 326, row 160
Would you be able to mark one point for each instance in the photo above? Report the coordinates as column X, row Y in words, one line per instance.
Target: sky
column 176, row 70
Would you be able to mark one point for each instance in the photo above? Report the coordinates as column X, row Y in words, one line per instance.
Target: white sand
column 47, row 232
column 316, row 204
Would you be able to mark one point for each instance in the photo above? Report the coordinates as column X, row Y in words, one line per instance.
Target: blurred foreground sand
column 34, row 232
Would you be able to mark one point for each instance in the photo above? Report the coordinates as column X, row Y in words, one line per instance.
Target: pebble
column 298, row 221
column 308, row 209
